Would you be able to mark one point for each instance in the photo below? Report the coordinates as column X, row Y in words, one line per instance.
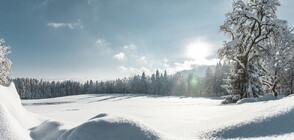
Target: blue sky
column 108, row 39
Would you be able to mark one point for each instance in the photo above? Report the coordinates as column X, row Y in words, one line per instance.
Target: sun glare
column 198, row 50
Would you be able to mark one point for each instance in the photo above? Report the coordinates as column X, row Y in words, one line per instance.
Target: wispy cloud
column 130, row 46
column 90, row 2
column 188, row 65
column 68, row 25
column 143, row 59
column 120, row 56
column 135, row 71
column 100, row 42
column 58, row 25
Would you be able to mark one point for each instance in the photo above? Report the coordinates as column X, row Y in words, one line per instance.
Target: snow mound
column 267, row 97
column 109, row 128
column 10, row 129
column 13, row 117
column 272, row 126
column 101, row 127
column 16, row 123
column 48, row 130
column 277, row 122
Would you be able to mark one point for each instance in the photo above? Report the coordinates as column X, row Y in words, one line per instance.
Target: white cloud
column 166, row 65
column 122, row 68
column 165, row 60
column 119, row 56
column 142, row 59
column 188, row 65
column 92, row 2
column 68, row 25
column 100, row 42
column 57, row 25
column 130, row 46
column 135, row 71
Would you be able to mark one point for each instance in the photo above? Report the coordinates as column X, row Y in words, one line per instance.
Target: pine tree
column 157, row 83
column 165, row 84
column 153, row 84
column 143, row 83
column 208, row 81
column 219, row 75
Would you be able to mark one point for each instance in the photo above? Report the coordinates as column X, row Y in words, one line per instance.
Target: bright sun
column 198, row 50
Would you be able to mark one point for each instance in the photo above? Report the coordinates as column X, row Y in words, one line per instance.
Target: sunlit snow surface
column 128, row 116
column 176, row 118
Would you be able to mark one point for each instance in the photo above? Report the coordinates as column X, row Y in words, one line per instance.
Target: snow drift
column 182, row 118
column 13, row 117
column 102, row 127
column 108, row 128
column 267, row 97
column 16, row 123
column 275, row 122
column 276, row 125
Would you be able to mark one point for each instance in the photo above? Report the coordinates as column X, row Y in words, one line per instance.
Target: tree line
column 157, row 84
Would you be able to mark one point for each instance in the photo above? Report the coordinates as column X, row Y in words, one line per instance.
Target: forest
column 158, row 83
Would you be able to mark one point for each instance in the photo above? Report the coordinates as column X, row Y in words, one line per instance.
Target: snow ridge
column 277, row 121
column 16, row 123
column 13, row 117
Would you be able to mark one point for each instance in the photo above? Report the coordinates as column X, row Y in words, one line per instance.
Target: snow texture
column 109, row 128
column 174, row 117
column 16, row 124
column 13, row 117
column 267, row 97
column 129, row 116
column 99, row 127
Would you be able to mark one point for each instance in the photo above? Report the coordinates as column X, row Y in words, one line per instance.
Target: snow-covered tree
column 165, row 83
column 208, row 82
column 143, row 84
column 219, row 75
column 278, row 62
column 153, row 84
column 5, row 63
column 249, row 24
column 158, row 83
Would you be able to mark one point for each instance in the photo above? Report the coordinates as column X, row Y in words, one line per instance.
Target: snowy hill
column 130, row 116
column 178, row 117
column 14, row 119
column 16, row 123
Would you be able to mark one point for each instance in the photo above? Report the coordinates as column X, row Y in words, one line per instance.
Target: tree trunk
column 291, row 86
column 249, row 90
column 274, row 90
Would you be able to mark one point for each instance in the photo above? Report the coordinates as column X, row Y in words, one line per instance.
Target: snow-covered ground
column 126, row 116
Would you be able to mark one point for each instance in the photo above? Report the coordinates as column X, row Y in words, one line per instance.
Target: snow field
column 178, row 117
column 16, row 123
column 129, row 116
